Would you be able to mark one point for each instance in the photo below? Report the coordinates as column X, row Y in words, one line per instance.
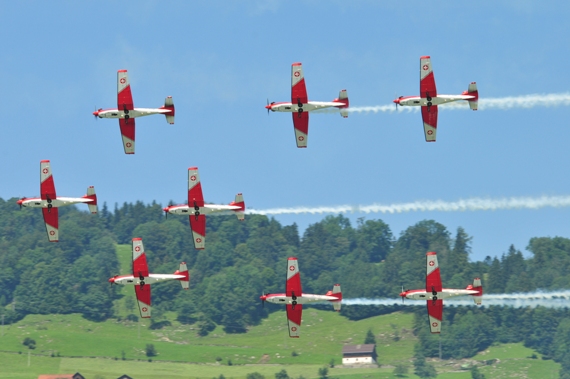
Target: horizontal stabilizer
column 169, row 104
column 240, row 213
column 93, row 197
column 477, row 298
column 183, row 270
column 343, row 98
column 472, row 91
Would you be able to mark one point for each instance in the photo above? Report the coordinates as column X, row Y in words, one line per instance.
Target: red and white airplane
column 435, row 293
column 142, row 279
column 49, row 201
column 294, row 298
column 300, row 105
column 429, row 99
column 126, row 112
column 197, row 209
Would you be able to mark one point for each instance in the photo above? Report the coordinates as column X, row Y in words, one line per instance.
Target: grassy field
column 69, row 344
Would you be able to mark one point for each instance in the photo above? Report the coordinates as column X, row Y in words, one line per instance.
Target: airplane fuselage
column 307, row 107
column 205, row 210
column 437, row 100
column 152, row 278
column 445, row 294
column 133, row 113
column 57, row 202
column 281, row 298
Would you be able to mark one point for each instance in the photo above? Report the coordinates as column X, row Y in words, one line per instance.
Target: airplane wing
column 427, row 80
column 433, row 276
column 47, row 186
column 140, row 269
column 51, row 219
column 429, row 118
column 47, row 191
column 299, row 96
column 298, row 88
column 294, row 319
column 435, row 313
column 293, row 284
column 125, row 103
column 293, row 289
column 143, row 299
column 301, row 125
column 433, row 284
column 196, row 200
column 427, row 91
column 128, row 134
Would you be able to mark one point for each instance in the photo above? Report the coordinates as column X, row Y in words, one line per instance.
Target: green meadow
column 98, row 349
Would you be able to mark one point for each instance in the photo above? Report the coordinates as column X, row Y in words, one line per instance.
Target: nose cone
column 19, row 202
column 112, row 280
column 397, row 101
column 268, row 106
column 166, row 209
column 403, row 294
column 263, row 297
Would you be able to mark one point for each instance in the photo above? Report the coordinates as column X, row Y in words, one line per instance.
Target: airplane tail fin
column 472, row 91
column 477, row 297
column 91, row 195
column 343, row 98
column 240, row 213
column 169, row 104
column 336, row 292
column 183, row 270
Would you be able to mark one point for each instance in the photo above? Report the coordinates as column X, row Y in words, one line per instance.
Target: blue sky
column 221, row 60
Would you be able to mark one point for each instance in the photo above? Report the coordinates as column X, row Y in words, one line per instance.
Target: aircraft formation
column 197, row 209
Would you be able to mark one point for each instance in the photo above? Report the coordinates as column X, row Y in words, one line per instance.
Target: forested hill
column 241, row 260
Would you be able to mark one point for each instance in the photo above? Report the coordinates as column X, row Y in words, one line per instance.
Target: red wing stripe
column 198, row 226
column 301, row 123
column 296, row 314
column 51, row 217
column 143, row 294
column 140, row 266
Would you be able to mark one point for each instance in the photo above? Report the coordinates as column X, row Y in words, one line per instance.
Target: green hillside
column 97, row 349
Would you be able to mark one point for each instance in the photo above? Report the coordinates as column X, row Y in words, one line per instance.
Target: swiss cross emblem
column 434, row 324
column 431, row 263
column 138, row 248
column 291, row 268
column 301, row 138
column 123, row 80
column 45, row 170
column 294, row 329
column 128, row 144
column 51, row 233
column 297, row 73
column 425, row 67
column 193, row 178
column 198, row 240
column 144, row 309
column 430, row 132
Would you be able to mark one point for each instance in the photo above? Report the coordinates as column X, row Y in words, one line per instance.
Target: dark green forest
column 242, row 259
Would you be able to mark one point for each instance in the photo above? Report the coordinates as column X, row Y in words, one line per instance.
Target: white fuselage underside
column 152, row 278
column 445, row 294
column 57, row 202
column 307, row 107
column 133, row 113
column 205, row 210
column 438, row 100
column 303, row 299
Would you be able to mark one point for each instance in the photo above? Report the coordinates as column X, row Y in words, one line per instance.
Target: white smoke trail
column 472, row 204
column 555, row 299
column 509, row 102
